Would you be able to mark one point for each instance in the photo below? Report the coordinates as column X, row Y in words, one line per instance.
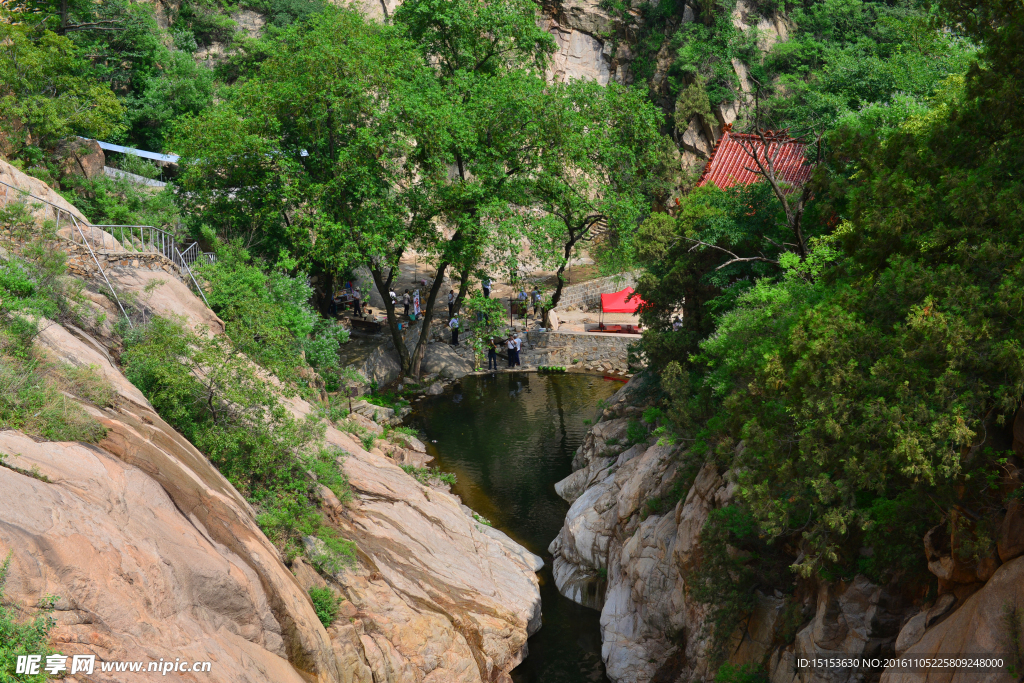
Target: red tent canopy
column 616, row 302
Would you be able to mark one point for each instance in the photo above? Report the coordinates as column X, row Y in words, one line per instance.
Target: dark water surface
column 509, row 438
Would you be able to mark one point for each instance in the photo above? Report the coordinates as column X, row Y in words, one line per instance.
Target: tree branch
column 735, row 258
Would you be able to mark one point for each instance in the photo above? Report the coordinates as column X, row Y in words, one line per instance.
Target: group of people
column 405, row 299
column 338, row 302
column 534, row 298
column 513, row 344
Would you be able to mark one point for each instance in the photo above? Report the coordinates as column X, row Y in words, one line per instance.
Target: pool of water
column 509, row 438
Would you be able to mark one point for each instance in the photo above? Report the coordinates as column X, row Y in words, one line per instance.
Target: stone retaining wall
column 80, row 261
column 588, row 294
column 598, row 352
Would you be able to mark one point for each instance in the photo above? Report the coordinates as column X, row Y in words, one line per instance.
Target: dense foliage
column 353, row 142
column 864, row 394
column 267, row 314
column 325, row 603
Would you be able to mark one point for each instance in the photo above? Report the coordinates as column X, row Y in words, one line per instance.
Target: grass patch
column 386, row 400
column 325, row 604
column 22, row 638
column 35, row 391
column 430, row 475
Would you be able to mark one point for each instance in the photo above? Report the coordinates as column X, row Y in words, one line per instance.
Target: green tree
column 47, row 92
column 477, row 123
column 600, row 148
column 353, row 143
column 873, row 383
column 310, row 160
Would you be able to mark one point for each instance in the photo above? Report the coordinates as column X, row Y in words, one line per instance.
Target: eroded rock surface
column 152, row 553
column 621, row 552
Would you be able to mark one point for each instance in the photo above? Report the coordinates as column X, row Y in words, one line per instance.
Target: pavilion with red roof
column 730, row 164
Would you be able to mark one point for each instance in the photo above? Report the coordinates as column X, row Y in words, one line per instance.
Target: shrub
column 268, row 316
column 740, row 673
column 220, row 401
column 635, row 432
column 325, row 603
column 33, row 388
column 430, row 475
column 26, row 638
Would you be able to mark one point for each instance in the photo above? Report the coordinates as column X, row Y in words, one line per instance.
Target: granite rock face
column 980, row 626
column 152, row 553
column 632, row 560
column 81, row 157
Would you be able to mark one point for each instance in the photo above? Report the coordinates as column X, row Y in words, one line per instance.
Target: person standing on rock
column 511, row 350
column 454, row 324
column 357, row 304
column 406, row 300
column 519, row 345
column 492, row 354
column 486, row 286
column 451, row 303
column 535, row 296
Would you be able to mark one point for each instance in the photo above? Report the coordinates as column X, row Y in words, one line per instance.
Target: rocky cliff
column 151, row 553
column 621, row 553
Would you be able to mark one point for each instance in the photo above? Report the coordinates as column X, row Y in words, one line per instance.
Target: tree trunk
column 384, row 286
column 463, row 287
column 428, row 314
column 559, row 280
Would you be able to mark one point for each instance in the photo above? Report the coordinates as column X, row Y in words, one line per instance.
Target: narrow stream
column 509, row 438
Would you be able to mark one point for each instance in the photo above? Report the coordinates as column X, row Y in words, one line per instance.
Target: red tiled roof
column 729, row 163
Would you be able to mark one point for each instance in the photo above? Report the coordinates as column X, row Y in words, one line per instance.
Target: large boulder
column 446, row 361
column 81, row 157
column 381, row 366
column 9, row 175
column 851, row 620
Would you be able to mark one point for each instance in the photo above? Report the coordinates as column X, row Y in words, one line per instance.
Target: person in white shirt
column 511, row 350
column 519, row 345
column 406, row 300
column 454, row 325
column 357, row 297
column 486, row 285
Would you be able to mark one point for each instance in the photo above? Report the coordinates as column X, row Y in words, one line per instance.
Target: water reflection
column 509, row 438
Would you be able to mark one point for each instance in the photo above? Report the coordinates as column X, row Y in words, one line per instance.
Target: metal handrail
column 157, row 241
column 78, row 227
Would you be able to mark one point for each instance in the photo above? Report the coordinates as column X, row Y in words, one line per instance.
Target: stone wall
column 595, row 352
column 588, row 294
column 81, row 263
